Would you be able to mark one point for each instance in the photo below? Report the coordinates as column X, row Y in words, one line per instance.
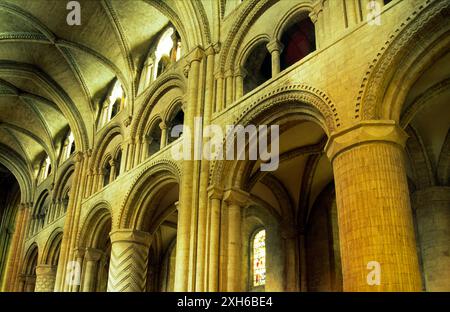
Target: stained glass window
column 259, row 258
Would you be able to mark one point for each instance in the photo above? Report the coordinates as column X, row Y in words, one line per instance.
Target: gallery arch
column 94, row 250
column 28, row 274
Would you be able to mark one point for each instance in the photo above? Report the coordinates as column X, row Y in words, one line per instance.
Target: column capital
column 79, row 157
column 365, row 132
column 78, row 252
column 215, row 192
column 93, row 254
column 210, row 50
column 131, row 236
column 240, row 71
column 236, row 196
column 195, row 55
column 162, row 125
column 228, row 73
column 45, row 269
column 275, row 45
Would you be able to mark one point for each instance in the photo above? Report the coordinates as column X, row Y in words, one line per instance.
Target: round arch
column 157, row 90
column 93, row 224
column 293, row 102
column 384, row 87
column 153, row 180
column 52, row 247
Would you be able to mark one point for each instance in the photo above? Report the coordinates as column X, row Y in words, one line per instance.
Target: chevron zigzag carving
column 128, row 269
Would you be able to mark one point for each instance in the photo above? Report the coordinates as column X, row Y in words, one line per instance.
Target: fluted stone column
column 45, row 278
column 374, row 212
column 236, row 200
column 92, row 257
column 275, row 47
column 433, row 223
column 129, row 261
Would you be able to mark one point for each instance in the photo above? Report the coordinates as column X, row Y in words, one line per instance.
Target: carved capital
column 275, row 45
column 92, row 254
column 131, row 236
column 363, row 133
column 236, row 196
column 215, row 192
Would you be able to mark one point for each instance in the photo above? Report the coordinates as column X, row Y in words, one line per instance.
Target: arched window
column 69, row 146
column 113, row 104
column 259, row 258
column 115, row 100
column 118, row 162
column 177, row 119
column 45, row 169
column 298, row 39
column 154, row 139
column 258, row 67
column 106, row 173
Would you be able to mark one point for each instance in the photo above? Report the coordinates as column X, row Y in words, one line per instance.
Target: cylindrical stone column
column 91, row 261
column 236, row 200
column 378, row 246
column 275, row 47
column 45, row 278
column 228, row 88
column 433, row 224
column 163, row 128
column 219, row 93
column 215, row 196
column 129, row 261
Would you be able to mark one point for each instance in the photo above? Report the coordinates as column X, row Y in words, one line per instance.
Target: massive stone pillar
column 92, row 257
column 129, row 260
column 236, row 199
column 45, row 278
column 376, row 230
column 433, row 224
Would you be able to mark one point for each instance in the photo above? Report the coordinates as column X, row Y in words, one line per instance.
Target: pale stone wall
column 374, row 219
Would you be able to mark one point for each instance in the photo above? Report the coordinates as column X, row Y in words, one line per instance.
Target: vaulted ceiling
column 53, row 75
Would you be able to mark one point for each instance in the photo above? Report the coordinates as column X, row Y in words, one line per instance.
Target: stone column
column 228, row 87
column 275, row 48
column 28, row 283
column 433, row 224
column 236, row 200
column 239, row 81
column 219, row 93
column 185, row 208
column 112, row 174
column 374, row 212
column 146, row 140
column 91, row 262
column 215, row 197
column 45, row 278
column 78, row 256
column 129, row 261
column 163, row 128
